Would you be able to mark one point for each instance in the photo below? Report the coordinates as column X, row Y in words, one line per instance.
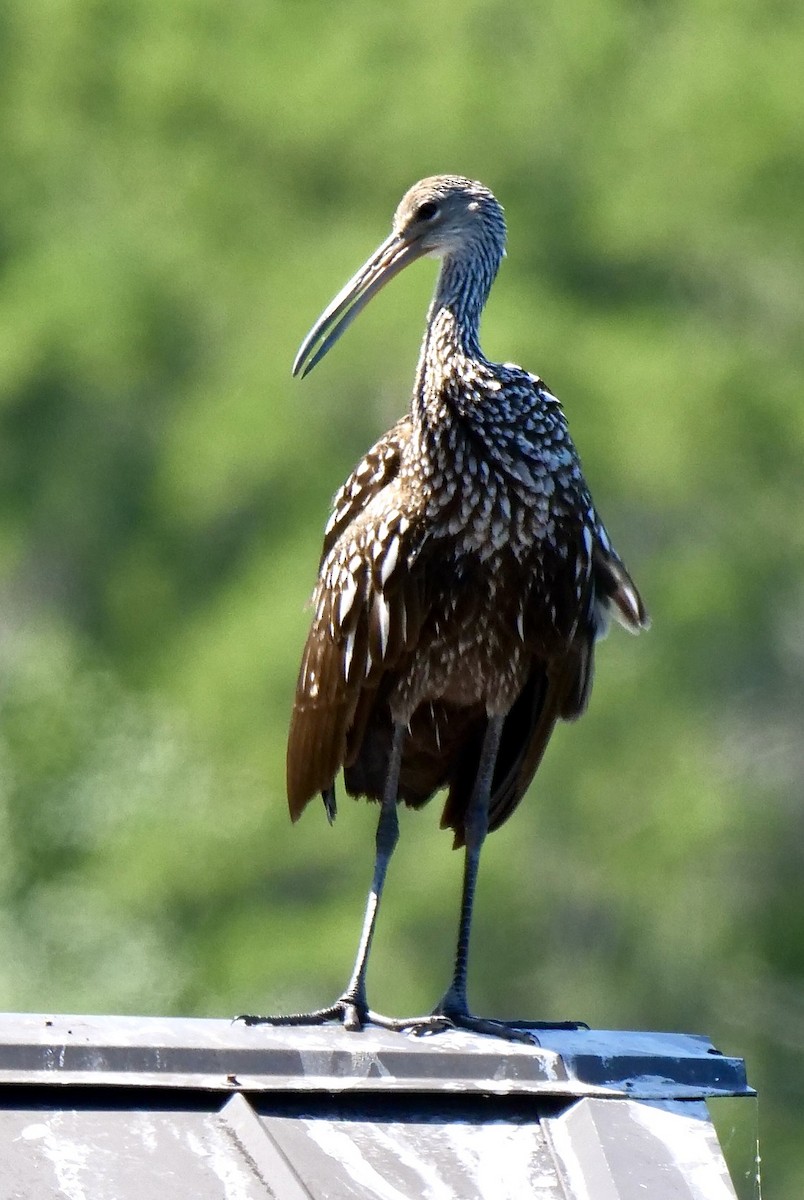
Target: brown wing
column 615, row 591
column 374, row 472
column 368, row 613
column 560, row 682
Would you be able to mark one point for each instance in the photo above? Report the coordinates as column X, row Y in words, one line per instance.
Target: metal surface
column 636, row 1149
column 103, row 1108
column 137, row 1150
column 240, row 1152
column 222, row 1055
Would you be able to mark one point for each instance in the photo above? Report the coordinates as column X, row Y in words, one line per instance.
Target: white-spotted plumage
column 464, row 580
column 389, row 560
column 465, row 573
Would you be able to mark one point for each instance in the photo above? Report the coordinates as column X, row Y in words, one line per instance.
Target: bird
column 464, row 580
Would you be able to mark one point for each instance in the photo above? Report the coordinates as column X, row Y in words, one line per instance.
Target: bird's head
column 445, row 216
column 450, row 215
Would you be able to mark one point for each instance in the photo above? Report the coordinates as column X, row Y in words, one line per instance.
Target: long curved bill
column 388, row 260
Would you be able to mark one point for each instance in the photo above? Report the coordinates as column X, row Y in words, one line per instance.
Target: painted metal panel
column 80, row 1153
column 436, row 1159
column 627, row 1150
column 228, row 1056
column 102, row 1108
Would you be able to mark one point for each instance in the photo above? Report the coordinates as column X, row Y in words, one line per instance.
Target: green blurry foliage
column 184, row 186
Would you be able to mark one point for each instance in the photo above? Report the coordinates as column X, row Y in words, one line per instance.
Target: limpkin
column 464, row 580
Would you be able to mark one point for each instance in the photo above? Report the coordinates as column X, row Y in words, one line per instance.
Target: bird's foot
column 453, row 1013
column 350, row 1011
column 568, row 1026
column 354, row 1014
column 438, row 1022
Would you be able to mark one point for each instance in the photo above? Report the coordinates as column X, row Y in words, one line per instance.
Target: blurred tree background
column 184, row 186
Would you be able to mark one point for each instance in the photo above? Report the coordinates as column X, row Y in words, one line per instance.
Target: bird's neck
column 463, row 287
column 449, row 338
column 451, row 341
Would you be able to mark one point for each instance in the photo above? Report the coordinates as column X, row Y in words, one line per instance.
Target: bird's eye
column 427, row 211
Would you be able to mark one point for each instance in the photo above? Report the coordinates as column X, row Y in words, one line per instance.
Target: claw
column 354, row 1015
column 351, row 1014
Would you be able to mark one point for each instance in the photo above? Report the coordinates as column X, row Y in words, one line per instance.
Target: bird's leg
column 476, row 824
column 352, row 1007
column 354, row 998
column 454, row 1007
column 453, row 1010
